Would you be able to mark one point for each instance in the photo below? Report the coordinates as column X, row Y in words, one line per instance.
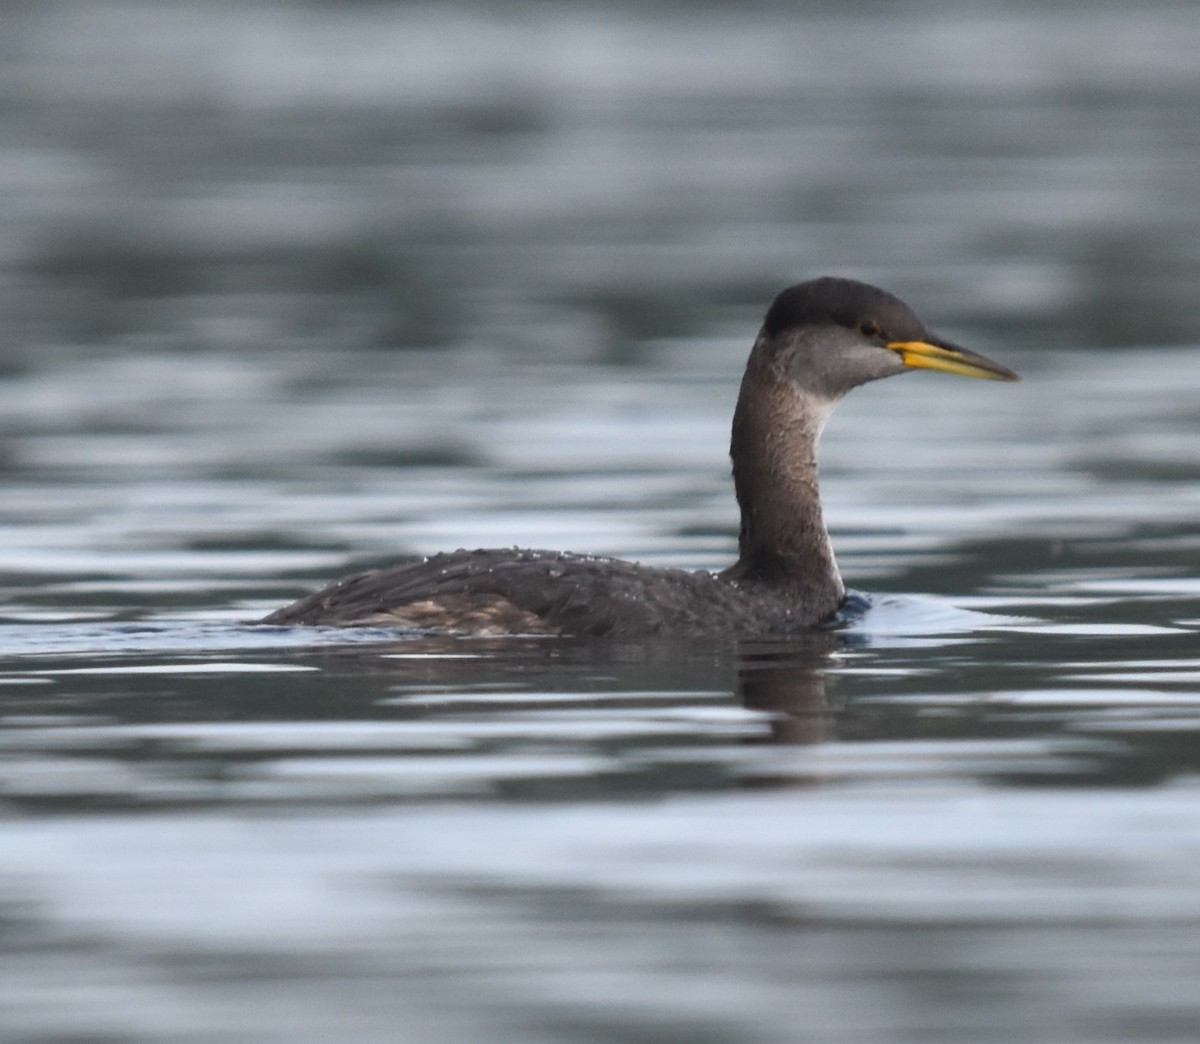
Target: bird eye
column 869, row 328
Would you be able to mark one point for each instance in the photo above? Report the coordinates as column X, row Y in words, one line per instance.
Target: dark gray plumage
column 819, row 340
column 543, row 592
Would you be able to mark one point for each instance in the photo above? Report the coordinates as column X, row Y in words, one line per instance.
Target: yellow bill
column 949, row 358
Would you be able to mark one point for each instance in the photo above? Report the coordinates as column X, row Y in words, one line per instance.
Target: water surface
column 303, row 289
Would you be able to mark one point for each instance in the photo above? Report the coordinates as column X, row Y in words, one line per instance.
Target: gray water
column 292, row 289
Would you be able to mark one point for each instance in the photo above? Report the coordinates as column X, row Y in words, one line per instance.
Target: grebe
column 819, row 340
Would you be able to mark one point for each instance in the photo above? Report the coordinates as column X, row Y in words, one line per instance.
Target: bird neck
column 783, row 540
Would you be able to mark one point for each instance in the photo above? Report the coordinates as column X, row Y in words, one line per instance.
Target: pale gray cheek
column 880, row 363
column 860, row 367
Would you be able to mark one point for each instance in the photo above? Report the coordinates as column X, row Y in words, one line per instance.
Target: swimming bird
column 819, row 340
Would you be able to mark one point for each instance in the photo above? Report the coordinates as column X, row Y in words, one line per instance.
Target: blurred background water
column 289, row 289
